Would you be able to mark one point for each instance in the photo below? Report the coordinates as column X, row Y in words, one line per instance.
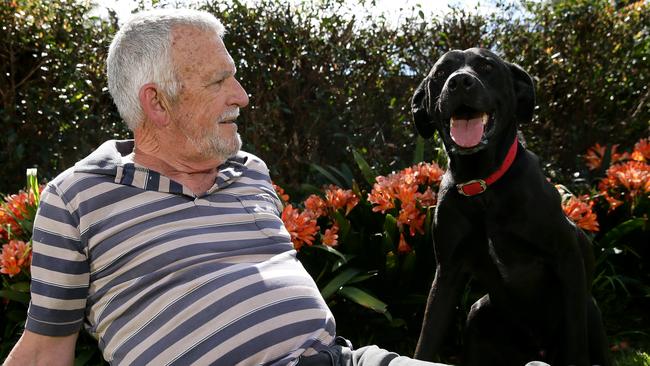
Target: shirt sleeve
column 60, row 269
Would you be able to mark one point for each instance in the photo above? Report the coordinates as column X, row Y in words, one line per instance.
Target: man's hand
column 34, row 349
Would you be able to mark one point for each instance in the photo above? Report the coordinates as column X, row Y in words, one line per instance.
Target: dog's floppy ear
column 420, row 110
column 524, row 92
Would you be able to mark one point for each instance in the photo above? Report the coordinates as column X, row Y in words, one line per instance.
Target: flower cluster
column 16, row 217
column 627, row 180
column 16, row 256
column 595, row 155
column 303, row 225
column 411, row 189
column 13, row 210
column 580, row 211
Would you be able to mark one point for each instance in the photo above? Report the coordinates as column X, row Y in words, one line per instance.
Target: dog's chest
column 520, row 270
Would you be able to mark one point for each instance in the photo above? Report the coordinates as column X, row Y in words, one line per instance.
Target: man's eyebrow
column 222, row 75
column 230, row 71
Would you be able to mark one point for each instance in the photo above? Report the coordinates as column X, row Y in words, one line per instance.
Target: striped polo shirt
column 163, row 277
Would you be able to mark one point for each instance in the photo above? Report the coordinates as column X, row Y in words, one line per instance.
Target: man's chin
column 222, row 151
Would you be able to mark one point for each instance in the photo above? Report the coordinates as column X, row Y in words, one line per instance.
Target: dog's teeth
column 485, row 118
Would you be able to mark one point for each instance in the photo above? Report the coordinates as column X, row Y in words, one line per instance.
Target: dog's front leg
column 452, row 240
column 447, row 284
column 574, row 291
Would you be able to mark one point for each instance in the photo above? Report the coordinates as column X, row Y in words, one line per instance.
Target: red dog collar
column 478, row 186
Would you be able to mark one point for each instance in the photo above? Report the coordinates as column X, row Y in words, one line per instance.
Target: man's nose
column 239, row 96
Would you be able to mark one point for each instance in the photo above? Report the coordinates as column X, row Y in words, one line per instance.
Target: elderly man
column 169, row 248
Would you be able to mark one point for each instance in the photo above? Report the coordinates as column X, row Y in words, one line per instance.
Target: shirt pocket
column 265, row 210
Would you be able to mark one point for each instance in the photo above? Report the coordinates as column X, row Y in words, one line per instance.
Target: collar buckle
column 472, row 188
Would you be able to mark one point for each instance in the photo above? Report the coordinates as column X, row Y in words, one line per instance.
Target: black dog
column 499, row 220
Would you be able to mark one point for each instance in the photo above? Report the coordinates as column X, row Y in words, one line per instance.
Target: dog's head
column 470, row 97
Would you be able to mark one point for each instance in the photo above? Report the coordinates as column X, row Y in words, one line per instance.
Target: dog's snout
column 461, row 80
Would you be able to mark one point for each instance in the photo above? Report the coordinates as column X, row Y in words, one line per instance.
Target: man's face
column 210, row 97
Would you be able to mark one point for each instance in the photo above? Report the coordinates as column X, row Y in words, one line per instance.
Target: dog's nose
column 465, row 81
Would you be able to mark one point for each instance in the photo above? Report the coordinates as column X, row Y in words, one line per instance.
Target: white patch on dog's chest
column 496, row 259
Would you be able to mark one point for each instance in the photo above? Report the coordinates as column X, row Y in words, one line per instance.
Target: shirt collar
column 111, row 159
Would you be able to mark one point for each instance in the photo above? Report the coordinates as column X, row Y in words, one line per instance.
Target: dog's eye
column 486, row 67
column 439, row 74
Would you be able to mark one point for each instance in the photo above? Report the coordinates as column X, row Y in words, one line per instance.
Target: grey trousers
column 369, row 356
column 341, row 355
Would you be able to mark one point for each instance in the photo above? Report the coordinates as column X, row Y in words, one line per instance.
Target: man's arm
column 34, row 349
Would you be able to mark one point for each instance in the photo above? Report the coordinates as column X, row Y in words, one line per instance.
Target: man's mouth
column 229, row 116
column 468, row 127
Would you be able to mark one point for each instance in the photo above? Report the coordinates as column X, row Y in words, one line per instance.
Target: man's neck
column 199, row 177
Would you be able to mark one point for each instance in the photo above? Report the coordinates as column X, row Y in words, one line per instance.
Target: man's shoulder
column 106, row 158
column 101, row 163
column 251, row 161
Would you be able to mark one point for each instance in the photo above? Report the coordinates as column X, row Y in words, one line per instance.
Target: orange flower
column 613, row 202
column 428, row 173
column 330, row 238
column 301, row 226
column 595, row 154
column 316, row 206
column 338, row 198
column 14, row 209
column 427, row 198
column 581, row 213
column 382, row 195
column 406, row 193
column 283, row 196
column 413, row 217
column 15, row 256
column 403, row 246
column 626, row 182
column 641, row 151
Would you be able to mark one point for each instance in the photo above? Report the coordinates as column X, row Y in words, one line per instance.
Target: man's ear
column 524, row 92
column 154, row 104
column 420, row 110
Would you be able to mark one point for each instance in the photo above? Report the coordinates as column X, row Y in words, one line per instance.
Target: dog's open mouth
column 468, row 126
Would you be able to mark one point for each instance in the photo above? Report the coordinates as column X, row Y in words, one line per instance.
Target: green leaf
column 366, row 300
column 339, row 281
column 363, row 277
column 391, row 232
column 20, row 286
column 346, row 176
column 387, row 243
column 427, row 224
column 418, row 156
column 327, row 174
column 331, row 250
column 20, row 297
column 390, row 226
column 310, row 189
column 624, row 228
column 344, row 225
column 367, row 172
column 408, row 264
column 17, row 316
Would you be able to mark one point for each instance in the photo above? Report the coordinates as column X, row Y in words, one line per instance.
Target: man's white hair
column 141, row 53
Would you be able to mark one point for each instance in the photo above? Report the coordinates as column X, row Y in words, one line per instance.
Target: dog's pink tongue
column 467, row 133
